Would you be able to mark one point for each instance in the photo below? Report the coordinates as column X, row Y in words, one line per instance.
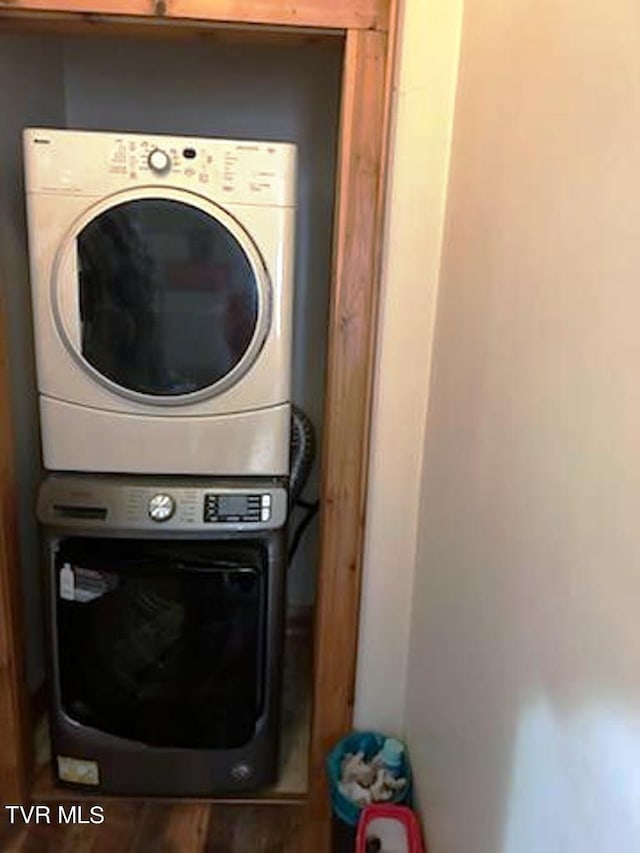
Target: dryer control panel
column 150, row 504
column 227, row 171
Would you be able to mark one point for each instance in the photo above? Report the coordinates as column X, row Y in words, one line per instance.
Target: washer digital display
column 233, row 504
column 232, row 507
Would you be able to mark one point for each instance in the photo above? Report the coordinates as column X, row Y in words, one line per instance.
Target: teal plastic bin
column 346, row 814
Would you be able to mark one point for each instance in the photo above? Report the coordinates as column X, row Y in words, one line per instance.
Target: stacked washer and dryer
column 162, row 292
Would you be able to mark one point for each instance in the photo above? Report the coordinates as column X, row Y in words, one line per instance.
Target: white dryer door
column 162, row 296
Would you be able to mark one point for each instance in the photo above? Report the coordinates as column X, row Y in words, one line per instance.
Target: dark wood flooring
column 146, row 827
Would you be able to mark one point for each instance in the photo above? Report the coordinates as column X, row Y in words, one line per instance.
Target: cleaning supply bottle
column 392, row 755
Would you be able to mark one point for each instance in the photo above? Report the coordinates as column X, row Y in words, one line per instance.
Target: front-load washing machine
column 161, row 273
column 166, row 606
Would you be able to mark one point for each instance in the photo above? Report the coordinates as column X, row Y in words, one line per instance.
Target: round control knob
column 161, row 507
column 159, row 161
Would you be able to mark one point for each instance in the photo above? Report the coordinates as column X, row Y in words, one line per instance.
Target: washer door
column 163, row 642
column 162, row 296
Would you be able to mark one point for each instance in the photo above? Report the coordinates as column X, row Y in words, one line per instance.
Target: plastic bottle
column 392, row 755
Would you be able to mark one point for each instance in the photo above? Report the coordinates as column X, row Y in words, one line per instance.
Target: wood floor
column 135, row 827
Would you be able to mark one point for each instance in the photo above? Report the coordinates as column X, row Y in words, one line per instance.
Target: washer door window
column 162, row 642
column 162, row 296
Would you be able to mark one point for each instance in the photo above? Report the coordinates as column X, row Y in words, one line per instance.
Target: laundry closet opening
column 273, row 89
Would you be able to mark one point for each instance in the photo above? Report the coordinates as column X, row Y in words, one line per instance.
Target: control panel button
column 161, row 507
column 159, row 161
column 210, row 509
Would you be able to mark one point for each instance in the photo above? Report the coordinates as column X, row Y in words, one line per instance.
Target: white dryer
column 161, row 273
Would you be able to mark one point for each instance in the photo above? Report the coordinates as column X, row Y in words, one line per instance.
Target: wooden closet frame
column 368, row 28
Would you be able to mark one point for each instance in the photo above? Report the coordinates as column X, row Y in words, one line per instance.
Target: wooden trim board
column 16, row 758
column 352, row 314
column 334, row 14
column 65, row 25
column 351, row 351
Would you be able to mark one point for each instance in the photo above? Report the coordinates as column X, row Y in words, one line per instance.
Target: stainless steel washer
column 166, row 626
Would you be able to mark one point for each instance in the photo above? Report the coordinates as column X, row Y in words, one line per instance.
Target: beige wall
column 523, row 702
column 424, row 97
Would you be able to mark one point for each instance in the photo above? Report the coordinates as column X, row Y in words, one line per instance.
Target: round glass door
column 163, row 298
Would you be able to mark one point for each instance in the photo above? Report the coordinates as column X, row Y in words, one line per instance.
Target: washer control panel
column 175, row 505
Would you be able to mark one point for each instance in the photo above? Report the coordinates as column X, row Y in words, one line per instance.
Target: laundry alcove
column 321, row 85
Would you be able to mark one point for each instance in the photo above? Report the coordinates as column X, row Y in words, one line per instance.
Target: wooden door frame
column 15, row 718
column 369, row 31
